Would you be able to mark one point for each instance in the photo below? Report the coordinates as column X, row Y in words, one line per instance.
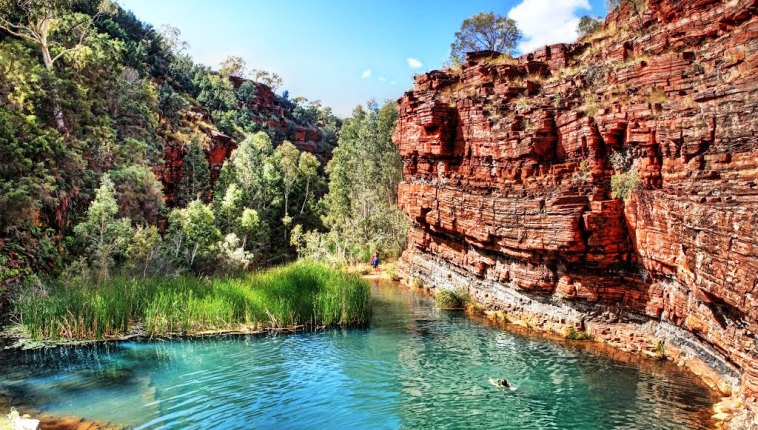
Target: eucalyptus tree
column 196, row 176
column 54, row 28
column 364, row 174
column 103, row 236
column 484, row 31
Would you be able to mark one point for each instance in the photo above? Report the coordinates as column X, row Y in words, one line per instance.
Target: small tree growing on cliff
column 588, row 25
column 233, row 66
column 485, row 31
column 626, row 178
column 273, row 80
column 195, row 175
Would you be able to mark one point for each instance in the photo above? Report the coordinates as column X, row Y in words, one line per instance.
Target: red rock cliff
column 267, row 111
column 511, row 167
column 216, row 145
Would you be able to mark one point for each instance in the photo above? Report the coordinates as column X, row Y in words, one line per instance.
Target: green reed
column 298, row 295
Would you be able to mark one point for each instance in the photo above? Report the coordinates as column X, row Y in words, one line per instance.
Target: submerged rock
column 16, row 421
column 610, row 184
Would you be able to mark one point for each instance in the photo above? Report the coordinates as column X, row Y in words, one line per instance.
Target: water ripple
column 414, row 368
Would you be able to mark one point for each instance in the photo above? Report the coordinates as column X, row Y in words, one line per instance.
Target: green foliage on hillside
column 90, row 97
column 89, row 243
column 361, row 206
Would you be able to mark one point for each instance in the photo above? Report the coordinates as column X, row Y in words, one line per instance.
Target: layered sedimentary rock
column 610, row 185
column 267, row 112
column 216, row 145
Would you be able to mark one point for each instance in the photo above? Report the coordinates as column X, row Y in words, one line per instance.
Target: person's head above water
column 503, row 382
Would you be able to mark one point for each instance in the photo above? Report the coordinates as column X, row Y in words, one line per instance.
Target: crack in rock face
column 615, row 176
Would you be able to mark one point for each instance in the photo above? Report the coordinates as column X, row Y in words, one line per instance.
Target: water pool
column 414, row 367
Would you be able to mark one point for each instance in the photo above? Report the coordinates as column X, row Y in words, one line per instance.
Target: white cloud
column 366, row 74
column 414, row 63
column 544, row 22
column 393, row 82
column 382, row 78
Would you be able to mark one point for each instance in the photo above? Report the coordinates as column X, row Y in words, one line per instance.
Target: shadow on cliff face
column 606, row 182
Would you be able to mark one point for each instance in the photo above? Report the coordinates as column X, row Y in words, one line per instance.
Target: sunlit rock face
column 266, row 111
column 509, row 184
column 216, row 145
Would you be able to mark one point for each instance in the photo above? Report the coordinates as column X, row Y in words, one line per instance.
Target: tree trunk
column 307, row 190
column 60, row 120
column 194, row 253
column 286, row 214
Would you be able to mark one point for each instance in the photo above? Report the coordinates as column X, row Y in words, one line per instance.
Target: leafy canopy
column 588, row 25
column 103, row 236
column 362, row 211
column 484, row 32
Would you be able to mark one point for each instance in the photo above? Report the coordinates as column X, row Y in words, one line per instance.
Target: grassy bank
column 299, row 294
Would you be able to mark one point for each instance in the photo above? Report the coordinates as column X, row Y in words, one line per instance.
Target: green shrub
column 416, row 282
column 581, row 175
column 621, row 160
column 590, row 108
column 451, row 299
column 624, row 184
column 394, row 275
column 474, row 308
column 659, row 347
column 573, row 334
column 558, row 100
column 524, row 103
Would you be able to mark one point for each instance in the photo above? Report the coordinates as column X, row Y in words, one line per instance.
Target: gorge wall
column 267, row 111
column 516, row 171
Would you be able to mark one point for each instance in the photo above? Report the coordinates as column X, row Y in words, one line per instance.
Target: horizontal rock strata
column 610, row 185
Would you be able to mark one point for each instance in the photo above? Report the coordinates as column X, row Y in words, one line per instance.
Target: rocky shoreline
column 607, row 186
column 611, row 330
column 502, row 312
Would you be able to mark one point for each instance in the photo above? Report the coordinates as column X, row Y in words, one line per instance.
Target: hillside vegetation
column 123, row 158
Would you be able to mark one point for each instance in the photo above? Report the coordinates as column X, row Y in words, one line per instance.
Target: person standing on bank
column 375, row 261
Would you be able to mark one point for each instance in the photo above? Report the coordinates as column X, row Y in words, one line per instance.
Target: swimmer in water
column 500, row 383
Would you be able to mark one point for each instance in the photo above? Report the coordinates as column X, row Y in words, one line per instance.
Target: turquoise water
column 414, row 368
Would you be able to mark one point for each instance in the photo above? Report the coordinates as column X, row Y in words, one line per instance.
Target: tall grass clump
column 451, row 299
column 573, row 334
column 299, row 295
column 659, row 347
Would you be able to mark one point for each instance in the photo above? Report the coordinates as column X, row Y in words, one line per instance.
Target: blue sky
column 345, row 52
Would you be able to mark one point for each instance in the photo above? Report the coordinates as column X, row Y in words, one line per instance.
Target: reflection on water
column 414, row 367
